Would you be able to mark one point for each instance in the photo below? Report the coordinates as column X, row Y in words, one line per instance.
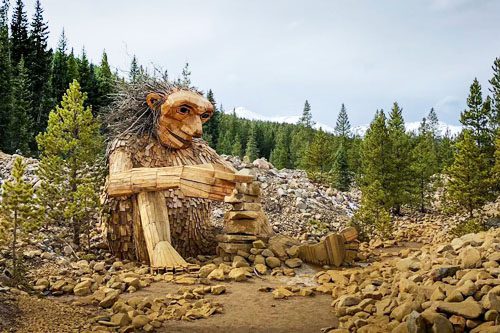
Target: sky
column 270, row 56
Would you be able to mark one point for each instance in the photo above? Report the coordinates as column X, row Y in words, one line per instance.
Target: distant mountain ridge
column 360, row 130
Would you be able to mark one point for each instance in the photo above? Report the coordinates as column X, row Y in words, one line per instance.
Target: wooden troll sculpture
column 162, row 175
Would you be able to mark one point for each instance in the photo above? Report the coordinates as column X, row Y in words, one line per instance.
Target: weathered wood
column 349, row 234
column 156, row 230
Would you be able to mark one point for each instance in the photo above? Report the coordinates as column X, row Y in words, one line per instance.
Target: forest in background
column 393, row 168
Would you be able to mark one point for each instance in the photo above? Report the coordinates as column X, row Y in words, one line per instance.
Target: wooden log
column 156, row 230
column 349, row 234
column 246, row 227
column 241, row 215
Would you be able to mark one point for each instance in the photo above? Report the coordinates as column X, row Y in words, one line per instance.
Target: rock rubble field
column 420, row 280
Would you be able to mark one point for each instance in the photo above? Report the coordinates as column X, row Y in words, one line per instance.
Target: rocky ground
column 422, row 280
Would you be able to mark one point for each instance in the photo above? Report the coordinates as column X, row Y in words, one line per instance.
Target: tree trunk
column 14, row 258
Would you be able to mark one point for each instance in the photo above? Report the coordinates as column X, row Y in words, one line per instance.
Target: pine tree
column 424, row 165
column 134, row 72
column 185, row 80
column 106, row 84
column 469, row 184
column 475, row 118
column 251, row 151
column 433, row 123
column 343, row 126
column 20, row 125
column 19, row 208
column 5, row 76
column 70, row 149
column 342, row 174
column 73, row 73
column 211, row 127
column 373, row 216
column 280, row 154
column 237, row 149
column 495, row 91
column 59, row 79
column 306, row 118
column 375, row 153
column 21, row 47
column 445, row 150
column 400, row 178
column 496, row 169
column 38, row 64
column 319, row 156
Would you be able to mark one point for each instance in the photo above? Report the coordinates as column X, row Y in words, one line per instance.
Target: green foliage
column 71, row 148
column 373, row 217
column 281, row 154
column 59, row 78
column 399, row 185
column 19, row 207
column 375, row 152
column 134, row 73
column 476, row 118
column 251, row 151
column 21, row 47
column 496, row 169
column 319, row 155
column 211, row 127
column 343, row 126
column 237, row 149
column 5, row 77
column 105, row 83
column 342, row 175
column 20, row 125
column 306, row 118
column 471, row 225
column 495, row 91
column 185, row 79
column 469, row 185
column 425, row 165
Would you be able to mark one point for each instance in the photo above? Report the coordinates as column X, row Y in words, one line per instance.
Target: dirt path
column 246, row 309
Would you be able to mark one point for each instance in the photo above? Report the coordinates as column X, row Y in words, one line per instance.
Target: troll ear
column 153, row 100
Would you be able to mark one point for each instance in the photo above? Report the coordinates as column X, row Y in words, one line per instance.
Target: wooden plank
column 349, row 234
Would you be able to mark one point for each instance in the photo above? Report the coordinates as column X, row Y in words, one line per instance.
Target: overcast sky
column 270, row 56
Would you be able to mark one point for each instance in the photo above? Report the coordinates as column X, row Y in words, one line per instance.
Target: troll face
column 181, row 116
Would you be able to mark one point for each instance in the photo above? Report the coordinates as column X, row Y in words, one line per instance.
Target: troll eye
column 206, row 115
column 183, row 110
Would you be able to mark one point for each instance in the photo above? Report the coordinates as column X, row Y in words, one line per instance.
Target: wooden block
column 350, row 255
column 235, row 247
column 247, row 206
column 235, row 238
column 335, row 248
column 349, row 234
column 247, row 227
column 241, row 215
column 238, row 198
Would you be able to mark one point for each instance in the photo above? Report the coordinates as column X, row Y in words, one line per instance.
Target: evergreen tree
column 475, row 118
column 20, row 125
column 445, row 150
column 73, row 73
column 400, row 178
column 495, row 91
column 306, row 118
column 59, row 79
column 211, row 127
column 21, row 47
column 92, row 88
column 280, row 154
column 185, row 80
column 5, row 76
column 251, row 151
column 343, row 126
column 343, row 177
column 134, row 72
column 70, row 149
column 433, row 123
column 19, row 208
column 424, row 165
column 496, row 168
column 319, row 156
column 237, row 149
column 375, row 154
column 85, row 76
column 105, row 84
column 38, row 64
column 469, row 184
column 373, row 216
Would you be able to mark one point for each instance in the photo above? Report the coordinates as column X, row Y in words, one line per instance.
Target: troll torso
column 191, row 233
